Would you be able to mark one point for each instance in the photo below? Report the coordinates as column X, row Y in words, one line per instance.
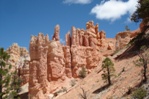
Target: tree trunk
column 144, row 71
column 109, row 78
column 1, row 84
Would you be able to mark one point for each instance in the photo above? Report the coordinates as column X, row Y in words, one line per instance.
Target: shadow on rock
column 101, row 89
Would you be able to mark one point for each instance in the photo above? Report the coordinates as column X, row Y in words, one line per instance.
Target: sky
column 20, row 19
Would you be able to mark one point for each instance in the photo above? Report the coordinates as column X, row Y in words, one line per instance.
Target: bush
column 139, row 93
column 82, row 72
column 64, row 89
column 72, row 83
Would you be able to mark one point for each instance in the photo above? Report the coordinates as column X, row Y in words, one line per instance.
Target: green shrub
column 82, row 72
column 139, row 93
column 64, row 89
column 72, row 83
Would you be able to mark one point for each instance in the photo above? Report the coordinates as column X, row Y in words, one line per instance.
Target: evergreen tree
column 142, row 11
column 7, row 90
column 15, row 84
column 127, row 28
column 108, row 70
column 143, row 61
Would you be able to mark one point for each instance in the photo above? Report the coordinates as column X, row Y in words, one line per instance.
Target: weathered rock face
column 24, row 72
column 84, row 44
column 55, row 58
column 67, row 56
column 56, row 33
column 15, row 52
column 68, row 39
column 91, row 37
column 87, row 57
column 38, row 82
column 82, row 49
column 19, row 58
column 122, row 39
column 51, row 61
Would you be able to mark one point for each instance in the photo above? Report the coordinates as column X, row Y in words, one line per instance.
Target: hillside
column 127, row 76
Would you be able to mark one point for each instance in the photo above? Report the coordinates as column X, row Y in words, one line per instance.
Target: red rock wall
column 56, row 63
column 87, row 57
column 51, row 61
column 38, row 82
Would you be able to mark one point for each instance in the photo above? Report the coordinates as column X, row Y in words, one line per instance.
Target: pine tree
column 127, row 28
column 108, row 70
column 7, row 90
column 142, row 11
column 143, row 61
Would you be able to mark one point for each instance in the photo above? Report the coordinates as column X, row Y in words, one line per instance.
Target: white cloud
column 114, row 9
column 77, row 1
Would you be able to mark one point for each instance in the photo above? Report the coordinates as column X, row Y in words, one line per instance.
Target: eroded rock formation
column 87, row 57
column 15, row 52
column 67, row 56
column 52, row 61
column 38, row 79
column 19, row 58
column 23, row 70
column 55, row 58
column 56, row 33
column 122, row 39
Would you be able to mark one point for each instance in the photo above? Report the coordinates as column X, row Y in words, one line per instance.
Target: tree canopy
column 8, row 78
column 142, row 11
column 108, row 70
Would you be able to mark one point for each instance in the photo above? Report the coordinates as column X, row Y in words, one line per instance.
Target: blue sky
column 19, row 19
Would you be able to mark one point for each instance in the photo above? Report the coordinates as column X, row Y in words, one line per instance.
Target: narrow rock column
column 38, row 83
column 56, row 33
column 67, row 56
column 74, row 36
column 68, row 39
